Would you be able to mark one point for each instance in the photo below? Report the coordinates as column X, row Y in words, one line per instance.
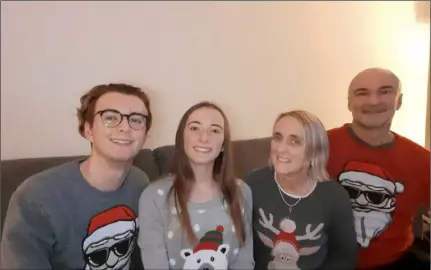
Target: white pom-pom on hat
column 288, row 225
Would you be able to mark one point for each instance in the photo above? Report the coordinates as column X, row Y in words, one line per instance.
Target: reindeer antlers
column 310, row 235
column 267, row 223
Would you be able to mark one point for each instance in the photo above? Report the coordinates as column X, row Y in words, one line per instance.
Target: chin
column 201, row 160
column 283, row 169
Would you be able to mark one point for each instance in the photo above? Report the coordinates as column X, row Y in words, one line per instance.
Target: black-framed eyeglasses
column 373, row 197
column 99, row 257
column 112, row 118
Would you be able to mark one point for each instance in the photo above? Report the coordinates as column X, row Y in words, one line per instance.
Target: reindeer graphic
column 285, row 248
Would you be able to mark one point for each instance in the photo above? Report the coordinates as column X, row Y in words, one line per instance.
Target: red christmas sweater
column 386, row 185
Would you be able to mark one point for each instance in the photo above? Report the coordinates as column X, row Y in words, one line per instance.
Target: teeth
column 122, row 141
column 283, row 159
column 202, row 149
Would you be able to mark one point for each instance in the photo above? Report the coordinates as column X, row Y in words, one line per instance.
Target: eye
column 216, row 131
column 212, row 258
column 276, row 137
column 198, row 261
column 194, row 128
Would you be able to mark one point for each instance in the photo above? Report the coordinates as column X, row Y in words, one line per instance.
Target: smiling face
column 120, row 143
column 204, row 136
column 374, row 97
column 288, row 155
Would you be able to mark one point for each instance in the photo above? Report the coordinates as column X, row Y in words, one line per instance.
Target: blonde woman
column 301, row 219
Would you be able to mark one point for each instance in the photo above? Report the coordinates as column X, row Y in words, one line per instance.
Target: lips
column 121, row 141
column 283, row 160
column 202, row 149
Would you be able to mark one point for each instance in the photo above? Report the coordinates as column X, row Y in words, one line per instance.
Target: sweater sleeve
column 28, row 238
column 245, row 259
column 151, row 238
column 342, row 247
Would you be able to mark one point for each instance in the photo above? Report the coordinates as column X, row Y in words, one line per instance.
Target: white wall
column 255, row 59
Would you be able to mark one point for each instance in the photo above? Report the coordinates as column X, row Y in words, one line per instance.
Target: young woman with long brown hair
column 200, row 216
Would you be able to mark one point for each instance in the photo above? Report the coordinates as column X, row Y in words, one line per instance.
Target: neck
column 373, row 136
column 203, row 175
column 103, row 174
column 293, row 183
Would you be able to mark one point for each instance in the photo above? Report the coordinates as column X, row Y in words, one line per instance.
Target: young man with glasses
column 83, row 214
column 386, row 175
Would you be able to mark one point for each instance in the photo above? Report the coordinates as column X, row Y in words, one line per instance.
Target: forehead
column 289, row 125
column 121, row 102
column 373, row 80
column 206, row 116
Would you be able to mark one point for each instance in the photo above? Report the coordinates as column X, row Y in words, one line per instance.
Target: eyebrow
column 290, row 135
column 199, row 123
column 380, row 88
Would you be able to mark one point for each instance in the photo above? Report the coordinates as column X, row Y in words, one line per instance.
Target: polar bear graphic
column 209, row 254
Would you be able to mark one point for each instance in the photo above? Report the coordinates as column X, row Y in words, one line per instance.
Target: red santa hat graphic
column 211, row 240
column 372, row 175
column 105, row 225
column 287, row 235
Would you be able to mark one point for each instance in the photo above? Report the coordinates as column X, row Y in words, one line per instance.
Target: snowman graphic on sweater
column 209, row 253
column 111, row 239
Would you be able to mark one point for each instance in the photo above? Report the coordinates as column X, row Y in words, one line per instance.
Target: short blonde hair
column 316, row 142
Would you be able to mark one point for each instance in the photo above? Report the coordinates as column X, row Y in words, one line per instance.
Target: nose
column 124, row 125
column 361, row 200
column 206, row 266
column 374, row 99
column 112, row 259
column 204, row 136
column 281, row 148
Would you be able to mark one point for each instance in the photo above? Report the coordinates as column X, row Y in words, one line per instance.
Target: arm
column 151, row 238
column 424, row 176
column 342, row 246
column 28, row 239
column 245, row 259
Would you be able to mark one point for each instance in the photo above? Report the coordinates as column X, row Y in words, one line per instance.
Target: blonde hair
column 316, row 142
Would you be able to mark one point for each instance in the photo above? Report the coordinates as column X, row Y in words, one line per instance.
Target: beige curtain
column 427, row 124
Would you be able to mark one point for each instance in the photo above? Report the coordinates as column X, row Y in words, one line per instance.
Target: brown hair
column 222, row 173
column 316, row 142
column 89, row 99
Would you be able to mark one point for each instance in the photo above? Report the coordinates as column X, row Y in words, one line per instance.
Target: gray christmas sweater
column 164, row 244
column 56, row 220
column 318, row 233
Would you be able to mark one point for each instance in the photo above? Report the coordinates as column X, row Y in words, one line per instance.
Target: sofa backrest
column 248, row 155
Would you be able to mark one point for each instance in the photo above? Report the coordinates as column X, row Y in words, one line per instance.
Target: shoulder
column 244, row 189
column 413, row 149
column 41, row 186
column 157, row 190
column 258, row 176
column 337, row 131
column 334, row 191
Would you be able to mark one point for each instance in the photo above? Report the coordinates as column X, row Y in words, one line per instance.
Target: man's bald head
column 374, row 97
column 384, row 76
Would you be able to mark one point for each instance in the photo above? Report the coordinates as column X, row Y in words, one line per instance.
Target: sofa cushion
column 145, row 161
column 249, row 155
column 163, row 156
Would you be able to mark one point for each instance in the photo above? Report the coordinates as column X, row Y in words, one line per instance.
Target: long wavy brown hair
column 223, row 174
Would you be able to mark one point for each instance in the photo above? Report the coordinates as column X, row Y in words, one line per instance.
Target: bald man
column 387, row 175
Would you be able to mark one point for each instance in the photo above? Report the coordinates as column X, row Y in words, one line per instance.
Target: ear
column 400, row 101
column 349, row 107
column 88, row 132
column 186, row 253
column 224, row 249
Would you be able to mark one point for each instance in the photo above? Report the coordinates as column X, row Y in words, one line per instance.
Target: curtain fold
column 427, row 124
